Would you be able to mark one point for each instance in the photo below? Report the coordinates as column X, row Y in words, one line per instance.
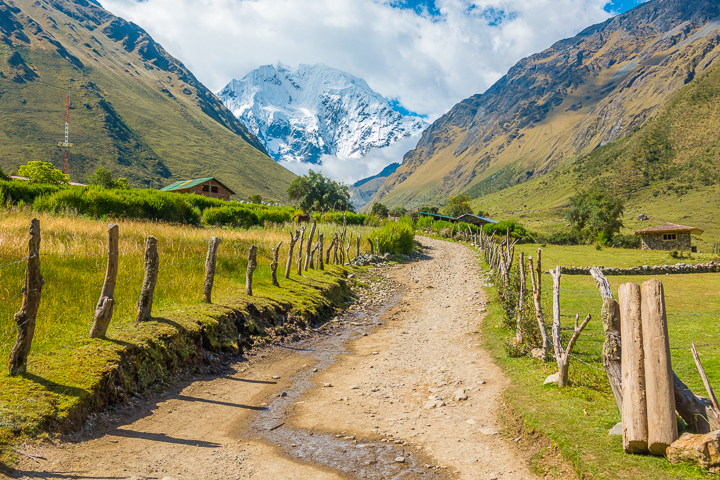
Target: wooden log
column 25, row 317
column 251, row 266
column 662, row 426
column 698, row 412
column 300, row 250
column 152, row 267
column 537, row 292
column 309, row 245
column 521, row 300
column 288, row 262
column 104, row 308
column 274, row 265
column 321, row 264
column 634, row 406
column 612, row 347
column 210, row 261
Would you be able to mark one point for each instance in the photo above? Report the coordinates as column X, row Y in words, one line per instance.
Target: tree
column 316, row 193
column 483, row 213
column 255, row 198
column 102, row 177
column 457, row 206
column 596, row 214
column 398, row 212
column 121, row 184
column 429, row 209
column 42, row 172
column 379, row 210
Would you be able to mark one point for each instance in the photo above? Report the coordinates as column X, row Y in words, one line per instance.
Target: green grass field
column 578, row 417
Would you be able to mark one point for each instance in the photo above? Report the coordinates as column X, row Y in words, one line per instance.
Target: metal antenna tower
column 66, row 144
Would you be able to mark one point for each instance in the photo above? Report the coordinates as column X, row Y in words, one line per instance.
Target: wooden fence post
column 252, row 265
column 210, row 261
column 104, row 308
column 321, row 264
column 274, row 265
column 293, row 241
column 309, row 245
column 612, row 348
column 300, row 250
column 634, row 406
column 372, row 247
column 152, row 267
column 521, row 300
column 31, row 291
column 357, row 245
column 537, row 292
column 662, row 426
column 336, row 242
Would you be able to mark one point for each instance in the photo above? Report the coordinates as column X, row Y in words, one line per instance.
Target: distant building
column 474, row 219
column 668, row 236
column 209, row 187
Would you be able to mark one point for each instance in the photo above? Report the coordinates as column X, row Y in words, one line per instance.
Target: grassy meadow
column 577, row 418
column 64, row 365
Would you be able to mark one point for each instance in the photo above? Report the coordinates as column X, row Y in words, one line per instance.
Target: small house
column 668, row 236
column 474, row 219
column 209, row 187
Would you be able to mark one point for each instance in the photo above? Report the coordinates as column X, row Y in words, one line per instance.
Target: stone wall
column 654, row 241
column 647, row 269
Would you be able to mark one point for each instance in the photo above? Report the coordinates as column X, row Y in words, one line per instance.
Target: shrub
column 500, row 228
column 626, row 241
column 395, row 237
column 560, row 238
column 99, row 202
column 352, row 218
column 20, row 190
column 424, row 222
column 230, row 215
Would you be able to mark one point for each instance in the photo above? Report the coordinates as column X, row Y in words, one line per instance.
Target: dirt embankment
column 395, row 388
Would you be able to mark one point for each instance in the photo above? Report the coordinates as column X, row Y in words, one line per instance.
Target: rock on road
column 418, row 386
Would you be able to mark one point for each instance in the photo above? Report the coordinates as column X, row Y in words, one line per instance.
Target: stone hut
column 668, row 236
column 209, row 187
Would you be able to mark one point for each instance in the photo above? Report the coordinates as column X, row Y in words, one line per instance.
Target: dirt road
column 400, row 389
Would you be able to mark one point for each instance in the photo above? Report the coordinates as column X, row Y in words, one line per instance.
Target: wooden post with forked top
column 293, row 241
column 210, row 261
column 252, row 265
column 660, row 393
column 25, row 318
column 634, row 406
column 309, row 245
column 274, row 265
column 104, row 308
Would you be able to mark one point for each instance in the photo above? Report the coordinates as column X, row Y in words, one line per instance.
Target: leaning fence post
column 372, row 247
column 300, row 250
column 252, row 264
column 321, row 265
column 293, row 241
column 25, row 318
column 210, row 268
column 309, row 246
column 104, row 309
column 152, row 266
column 274, row 265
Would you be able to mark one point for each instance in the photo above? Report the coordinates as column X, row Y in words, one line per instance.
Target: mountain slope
column 134, row 108
column 669, row 170
column 363, row 190
column 303, row 113
column 557, row 105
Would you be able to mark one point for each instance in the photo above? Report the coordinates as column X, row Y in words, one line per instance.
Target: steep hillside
column 134, row 108
column 557, row 105
column 669, row 170
column 363, row 190
column 303, row 113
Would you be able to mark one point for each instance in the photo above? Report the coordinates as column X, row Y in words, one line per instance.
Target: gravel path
column 395, row 388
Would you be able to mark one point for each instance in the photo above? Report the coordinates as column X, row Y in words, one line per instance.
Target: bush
column 395, row 237
column 500, row 228
column 424, row 222
column 352, row 218
column 20, row 190
column 230, row 215
column 98, row 202
column 626, row 241
column 443, row 228
column 560, row 238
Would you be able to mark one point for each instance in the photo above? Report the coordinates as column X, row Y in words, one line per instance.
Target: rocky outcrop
column 701, row 449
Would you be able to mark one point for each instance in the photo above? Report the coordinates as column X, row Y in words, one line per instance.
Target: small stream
column 364, row 460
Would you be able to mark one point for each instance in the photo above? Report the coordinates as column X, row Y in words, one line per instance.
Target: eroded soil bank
column 397, row 387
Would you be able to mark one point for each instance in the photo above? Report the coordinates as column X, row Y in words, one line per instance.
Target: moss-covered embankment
column 60, row 391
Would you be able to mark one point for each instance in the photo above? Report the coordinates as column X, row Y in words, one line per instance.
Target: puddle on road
column 373, row 460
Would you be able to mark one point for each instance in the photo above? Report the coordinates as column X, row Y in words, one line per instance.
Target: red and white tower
column 66, row 144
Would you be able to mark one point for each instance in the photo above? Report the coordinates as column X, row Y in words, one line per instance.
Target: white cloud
column 350, row 170
column 428, row 63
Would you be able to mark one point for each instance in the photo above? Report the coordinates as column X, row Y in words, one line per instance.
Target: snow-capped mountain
column 302, row 113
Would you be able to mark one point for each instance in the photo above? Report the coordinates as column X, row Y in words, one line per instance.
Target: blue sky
column 428, row 7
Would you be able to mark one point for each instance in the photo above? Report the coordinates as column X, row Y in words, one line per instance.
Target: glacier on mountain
column 303, row 114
